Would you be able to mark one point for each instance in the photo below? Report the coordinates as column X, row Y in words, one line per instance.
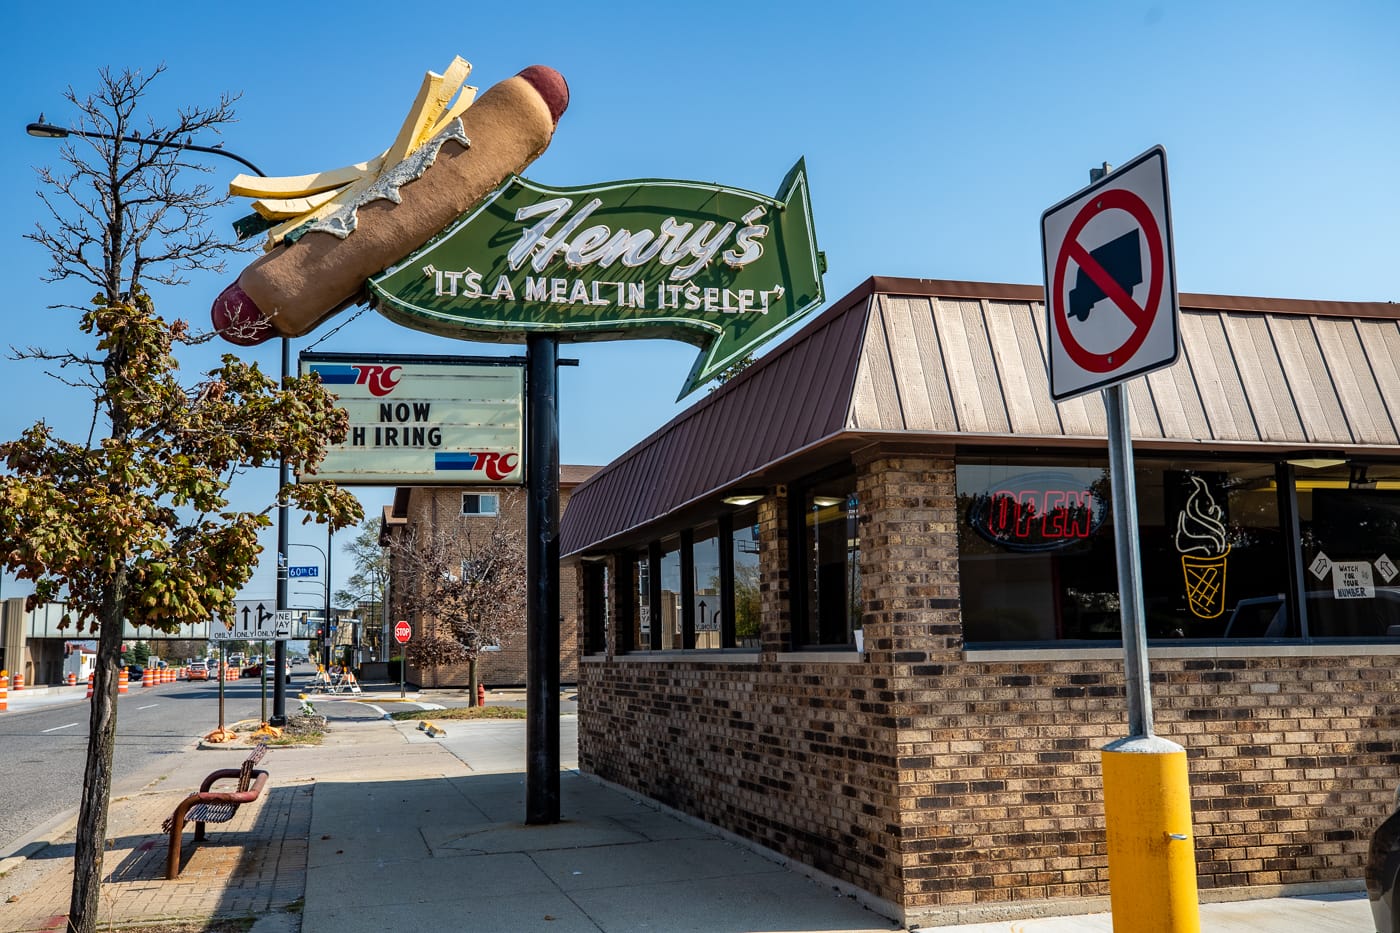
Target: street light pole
column 326, row 619
column 44, row 130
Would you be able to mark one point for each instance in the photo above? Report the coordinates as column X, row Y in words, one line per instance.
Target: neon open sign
column 1037, row 512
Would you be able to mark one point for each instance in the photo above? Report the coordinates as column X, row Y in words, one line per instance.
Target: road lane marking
column 56, row 728
column 152, row 706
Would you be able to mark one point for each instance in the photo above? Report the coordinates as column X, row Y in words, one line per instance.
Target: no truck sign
column 1110, row 279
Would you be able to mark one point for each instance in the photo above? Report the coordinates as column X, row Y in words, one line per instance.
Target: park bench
column 207, row 806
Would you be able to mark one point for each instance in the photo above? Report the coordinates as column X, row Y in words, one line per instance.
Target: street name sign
column 294, row 573
column 1110, row 279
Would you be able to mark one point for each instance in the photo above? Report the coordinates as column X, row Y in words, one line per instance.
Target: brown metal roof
column 789, row 399
column 964, row 362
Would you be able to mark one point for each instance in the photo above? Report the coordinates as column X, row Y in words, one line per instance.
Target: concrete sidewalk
column 383, row 827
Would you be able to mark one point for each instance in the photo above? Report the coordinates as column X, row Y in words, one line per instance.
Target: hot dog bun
column 289, row 290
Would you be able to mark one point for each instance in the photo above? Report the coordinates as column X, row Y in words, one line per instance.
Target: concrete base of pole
column 1151, row 849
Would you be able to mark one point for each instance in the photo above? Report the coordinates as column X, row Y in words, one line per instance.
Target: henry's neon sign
column 1037, row 512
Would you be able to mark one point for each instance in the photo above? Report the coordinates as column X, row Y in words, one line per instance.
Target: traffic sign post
column 402, row 632
column 1111, row 303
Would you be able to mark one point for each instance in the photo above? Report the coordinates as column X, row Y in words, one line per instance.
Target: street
column 43, row 746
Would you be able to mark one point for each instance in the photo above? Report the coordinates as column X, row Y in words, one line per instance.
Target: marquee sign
column 423, row 420
column 718, row 267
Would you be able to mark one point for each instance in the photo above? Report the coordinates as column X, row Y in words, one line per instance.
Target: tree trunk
column 84, row 905
column 471, row 680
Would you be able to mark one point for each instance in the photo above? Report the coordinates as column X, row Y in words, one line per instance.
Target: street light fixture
column 43, row 130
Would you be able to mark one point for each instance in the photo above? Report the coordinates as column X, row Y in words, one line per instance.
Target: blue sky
column 935, row 134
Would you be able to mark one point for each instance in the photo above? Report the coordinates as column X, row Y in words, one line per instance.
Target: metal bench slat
column 210, row 813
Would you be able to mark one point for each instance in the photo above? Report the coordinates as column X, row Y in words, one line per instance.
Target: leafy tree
column 133, row 522
column 732, row 371
column 367, row 586
column 465, row 585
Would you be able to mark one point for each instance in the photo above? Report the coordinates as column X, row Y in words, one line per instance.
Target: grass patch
column 300, row 729
column 464, row 712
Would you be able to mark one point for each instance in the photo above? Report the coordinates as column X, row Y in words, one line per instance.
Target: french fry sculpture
column 335, row 229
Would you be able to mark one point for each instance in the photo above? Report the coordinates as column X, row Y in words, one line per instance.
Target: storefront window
column 1037, row 560
column 641, row 632
column 707, row 589
column 832, row 564
column 1349, row 519
column 669, row 615
column 595, row 607
column 747, row 606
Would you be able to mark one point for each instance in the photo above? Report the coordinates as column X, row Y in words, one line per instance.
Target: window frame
column 481, row 497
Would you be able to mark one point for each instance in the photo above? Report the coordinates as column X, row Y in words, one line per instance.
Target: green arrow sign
column 717, row 267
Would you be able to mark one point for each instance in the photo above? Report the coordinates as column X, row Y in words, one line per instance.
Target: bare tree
column 132, row 523
column 465, row 585
column 366, row 588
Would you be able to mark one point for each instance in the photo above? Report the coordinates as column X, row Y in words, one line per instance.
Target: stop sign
column 401, row 632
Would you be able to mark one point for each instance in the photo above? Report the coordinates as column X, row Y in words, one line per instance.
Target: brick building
column 454, row 509
column 875, row 629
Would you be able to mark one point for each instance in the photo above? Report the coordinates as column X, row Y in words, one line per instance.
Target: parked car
column 1383, row 873
column 199, row 670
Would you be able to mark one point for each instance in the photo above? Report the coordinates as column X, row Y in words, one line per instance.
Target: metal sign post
column 542, row 574
column 219, row 675
column 1125, row 540
column 1108, row 256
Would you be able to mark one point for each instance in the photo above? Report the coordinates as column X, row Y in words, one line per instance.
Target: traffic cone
column 122, row 682
column 72, row 679
column 148, row 679
column 89, row 695
column 4, row 691
column 18, row 683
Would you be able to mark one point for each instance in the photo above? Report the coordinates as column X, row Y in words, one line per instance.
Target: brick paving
column 254, row 865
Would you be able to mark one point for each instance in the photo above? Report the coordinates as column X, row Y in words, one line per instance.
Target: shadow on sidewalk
column 253, row 865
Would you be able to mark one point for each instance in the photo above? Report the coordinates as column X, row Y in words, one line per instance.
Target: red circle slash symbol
column 1141, row 316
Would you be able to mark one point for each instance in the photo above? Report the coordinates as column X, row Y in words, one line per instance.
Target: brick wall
column 940, row 779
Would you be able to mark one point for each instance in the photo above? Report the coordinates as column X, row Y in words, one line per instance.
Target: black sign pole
column 279, row 647
column 542, row 575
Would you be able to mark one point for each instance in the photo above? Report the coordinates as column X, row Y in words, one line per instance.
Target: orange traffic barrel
column 122, row 682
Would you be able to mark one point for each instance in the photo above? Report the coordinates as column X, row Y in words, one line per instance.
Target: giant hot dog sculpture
column 318, row 262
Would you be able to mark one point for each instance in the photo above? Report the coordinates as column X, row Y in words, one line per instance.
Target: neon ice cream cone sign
column 1201, row 541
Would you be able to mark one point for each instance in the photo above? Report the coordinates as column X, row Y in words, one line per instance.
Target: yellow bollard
column 1151, row 849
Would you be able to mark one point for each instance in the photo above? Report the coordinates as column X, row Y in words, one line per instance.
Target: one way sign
column 255, row 620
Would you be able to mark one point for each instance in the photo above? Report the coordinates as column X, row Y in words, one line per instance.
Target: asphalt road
column 43, row 748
